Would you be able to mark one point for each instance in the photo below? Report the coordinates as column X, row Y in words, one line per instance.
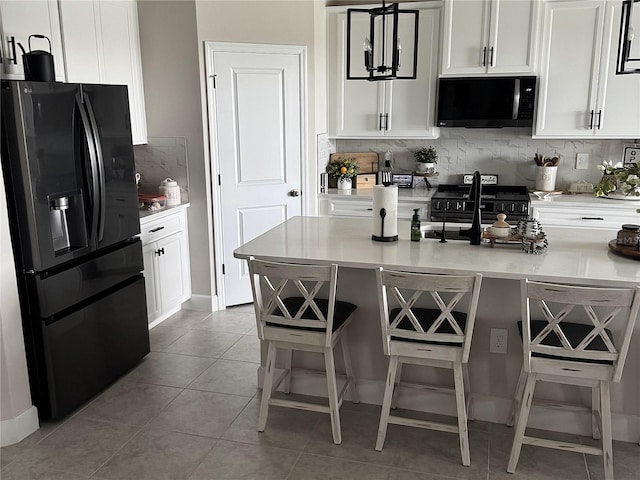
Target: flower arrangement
column 625, row 177
column 343, row 168
column 426, row 155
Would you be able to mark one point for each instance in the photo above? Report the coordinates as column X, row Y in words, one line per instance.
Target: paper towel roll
column 385, row 213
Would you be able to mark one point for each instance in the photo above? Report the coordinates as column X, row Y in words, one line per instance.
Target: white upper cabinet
column 489, row 36
column 393, row 108
column 579, row 94
column 102, row 45
column 18, row 20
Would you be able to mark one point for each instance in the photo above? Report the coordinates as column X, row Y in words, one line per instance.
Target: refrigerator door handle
column 95, row 187
column 98, row 146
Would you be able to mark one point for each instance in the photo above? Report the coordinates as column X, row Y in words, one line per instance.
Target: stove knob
column 511, row 207
column 457, row 206
column 437, row 205
column 501, row 207
column 447, row 205
column 522, row 208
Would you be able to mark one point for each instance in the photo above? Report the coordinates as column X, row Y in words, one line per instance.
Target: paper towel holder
column 382, row 237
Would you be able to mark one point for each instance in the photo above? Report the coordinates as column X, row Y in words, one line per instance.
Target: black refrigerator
column 69, row 172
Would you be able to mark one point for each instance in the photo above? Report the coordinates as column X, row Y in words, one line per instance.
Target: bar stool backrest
column 403, row 290
column 602, row 307
column 272, row 283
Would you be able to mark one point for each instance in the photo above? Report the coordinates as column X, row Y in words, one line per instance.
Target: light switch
column 582, row 161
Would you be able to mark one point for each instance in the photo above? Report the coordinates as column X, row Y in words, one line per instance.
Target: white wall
column 18, row 417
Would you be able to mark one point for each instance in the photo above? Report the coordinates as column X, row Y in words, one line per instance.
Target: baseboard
column 17, row 429
column 567, row 419
column 201, row 303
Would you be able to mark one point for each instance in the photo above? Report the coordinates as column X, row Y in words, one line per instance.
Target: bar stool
column 290, row 317
column 425, row 336
column 584, row 354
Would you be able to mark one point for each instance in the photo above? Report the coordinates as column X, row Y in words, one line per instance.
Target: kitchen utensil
column 170, row 189
column 38, row 64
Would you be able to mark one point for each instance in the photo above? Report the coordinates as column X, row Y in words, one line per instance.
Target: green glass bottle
column 415, row 226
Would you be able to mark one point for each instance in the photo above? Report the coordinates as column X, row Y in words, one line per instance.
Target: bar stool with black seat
column 560, row 349
column 434, row 337
column 290, row 316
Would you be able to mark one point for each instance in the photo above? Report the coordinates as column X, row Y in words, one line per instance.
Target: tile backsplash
column 160, row 158
column 507, row 152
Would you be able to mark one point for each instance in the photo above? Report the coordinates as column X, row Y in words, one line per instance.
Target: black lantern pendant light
column 375, row 33
column 628, row 45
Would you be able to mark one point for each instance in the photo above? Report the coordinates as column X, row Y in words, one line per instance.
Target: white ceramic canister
column 170, row 189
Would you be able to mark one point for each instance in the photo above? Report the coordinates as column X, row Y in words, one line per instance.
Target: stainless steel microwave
column 486, row 102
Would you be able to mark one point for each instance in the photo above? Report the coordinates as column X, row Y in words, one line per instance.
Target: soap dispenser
column 415, row 225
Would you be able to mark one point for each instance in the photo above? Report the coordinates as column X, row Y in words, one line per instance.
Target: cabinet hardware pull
column 591, row 119
column 599, row 118
column 592, row 218
column 491, row 57
column 157, row 229
column 380, row 121
column 11, row 42
column 159, row 252
column 386, row 121
column 484, row 56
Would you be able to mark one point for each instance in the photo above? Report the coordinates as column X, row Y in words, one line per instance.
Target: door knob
column 294, row 193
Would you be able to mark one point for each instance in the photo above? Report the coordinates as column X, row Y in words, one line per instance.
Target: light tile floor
column 190, row 410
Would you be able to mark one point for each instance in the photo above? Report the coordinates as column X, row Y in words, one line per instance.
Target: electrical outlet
column 499, row 337
column 582, row 161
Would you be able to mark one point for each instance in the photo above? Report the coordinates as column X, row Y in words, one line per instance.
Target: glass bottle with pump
column 415, row 226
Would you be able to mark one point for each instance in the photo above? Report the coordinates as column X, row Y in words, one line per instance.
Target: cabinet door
column 512, row 39
column 355, row 106
column 465, row 38
column 102, row 46
column 21, row 19
column 572, row 37
column 618, row 107
column 151, row 281
column 412, row 103
column 170, row 264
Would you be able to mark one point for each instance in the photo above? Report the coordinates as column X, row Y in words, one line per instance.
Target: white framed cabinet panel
column 165, row 248
column 580, row 94
column 489, row 36
column 18, row 20
column 398, row 108
column 102, row 45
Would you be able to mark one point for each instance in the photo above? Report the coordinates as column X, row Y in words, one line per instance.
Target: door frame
column 216, row 196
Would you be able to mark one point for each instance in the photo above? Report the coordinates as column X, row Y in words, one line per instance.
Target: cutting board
column 367, row 161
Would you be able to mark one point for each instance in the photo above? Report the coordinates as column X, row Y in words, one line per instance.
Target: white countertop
column 409, row 194
column 584, row 200
column 573, row 258
column 148, row 215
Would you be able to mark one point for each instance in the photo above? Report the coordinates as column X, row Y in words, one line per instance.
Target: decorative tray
column 536, row 245
column 625, row 250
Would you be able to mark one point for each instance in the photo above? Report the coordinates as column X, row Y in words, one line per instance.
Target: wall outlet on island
column 582, row 161
column 499, row 337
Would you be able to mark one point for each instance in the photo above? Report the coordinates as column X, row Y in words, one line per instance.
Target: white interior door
column 258, row 132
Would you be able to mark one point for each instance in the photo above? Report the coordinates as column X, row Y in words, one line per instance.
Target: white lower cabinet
column 587, row 213
column 165, row 249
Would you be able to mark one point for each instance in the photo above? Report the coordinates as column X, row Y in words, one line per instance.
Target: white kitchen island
column 575, row 256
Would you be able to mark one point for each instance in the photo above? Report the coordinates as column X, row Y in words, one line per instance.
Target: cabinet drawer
column 153, row 230
column 585, row 218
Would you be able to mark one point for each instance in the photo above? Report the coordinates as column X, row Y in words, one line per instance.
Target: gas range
column 512, row 200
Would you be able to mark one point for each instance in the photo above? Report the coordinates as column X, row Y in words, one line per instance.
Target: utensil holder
column 546, row 178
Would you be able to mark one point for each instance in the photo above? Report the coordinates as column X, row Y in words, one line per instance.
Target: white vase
column 344, row 184
column 425, row 167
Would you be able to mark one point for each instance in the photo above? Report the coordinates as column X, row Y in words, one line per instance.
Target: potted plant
column 619, row 180
column 343, row 169
column 427, row 158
